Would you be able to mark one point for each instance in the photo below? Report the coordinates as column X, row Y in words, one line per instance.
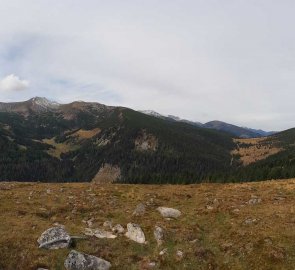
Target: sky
column 202, row 60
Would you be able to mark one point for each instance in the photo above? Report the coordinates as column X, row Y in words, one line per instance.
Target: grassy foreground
column 223, row 226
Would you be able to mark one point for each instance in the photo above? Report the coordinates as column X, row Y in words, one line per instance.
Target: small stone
column 118, row 229
column 179, row 255
column 54, row 238
column 139, row 210
column 209, row 207
column 135, row 233
column 254, row 200
column 99, row 233
column 159, row 235
column 81, row 261
column 163, row 252
column 250, row 221
column 169, row 212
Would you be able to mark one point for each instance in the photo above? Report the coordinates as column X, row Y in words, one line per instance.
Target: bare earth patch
column 254, row 149
column 107, row 174
column 222, row 226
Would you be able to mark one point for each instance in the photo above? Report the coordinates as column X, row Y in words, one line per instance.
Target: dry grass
column 254, row 149
column 58, row 148
column 211, row 232
column 86, row 134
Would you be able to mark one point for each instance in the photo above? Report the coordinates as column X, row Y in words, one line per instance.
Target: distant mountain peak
column 44, row 102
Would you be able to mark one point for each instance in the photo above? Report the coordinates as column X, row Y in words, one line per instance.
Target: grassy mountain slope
column 47, row 145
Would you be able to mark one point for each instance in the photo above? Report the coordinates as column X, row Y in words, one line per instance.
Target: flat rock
column 81, row 261
column 54, row 238
column 135, row 233
column 169, row 212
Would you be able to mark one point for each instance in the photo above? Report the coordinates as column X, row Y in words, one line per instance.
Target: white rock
column 169, row 212
column 163, row 252
column 179, row 254
column 135, row 233
column 54, row 238
column 81, row 261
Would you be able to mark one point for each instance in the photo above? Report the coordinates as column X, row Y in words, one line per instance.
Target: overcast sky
column 232, row 60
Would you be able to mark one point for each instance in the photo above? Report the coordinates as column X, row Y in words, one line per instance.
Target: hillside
column 222, row 226
column 45, row 141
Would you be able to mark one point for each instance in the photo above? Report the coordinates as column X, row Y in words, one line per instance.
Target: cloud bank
column 13, row 83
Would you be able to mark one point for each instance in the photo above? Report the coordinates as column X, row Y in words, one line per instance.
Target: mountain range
column 241, row 132
column 41, row 140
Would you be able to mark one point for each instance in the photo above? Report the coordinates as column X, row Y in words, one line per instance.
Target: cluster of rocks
column 57, row 237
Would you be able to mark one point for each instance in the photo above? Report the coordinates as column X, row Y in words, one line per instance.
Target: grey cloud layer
column 202, row 60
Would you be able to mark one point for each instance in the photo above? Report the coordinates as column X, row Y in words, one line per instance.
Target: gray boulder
column 81, row 261
column 169, row 212
column 135, row 233
column 54, row 238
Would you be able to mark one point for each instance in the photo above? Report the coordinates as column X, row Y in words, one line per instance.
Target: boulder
column 169, row 212
column 81, row 261
column 54, row 238
column 135, row 233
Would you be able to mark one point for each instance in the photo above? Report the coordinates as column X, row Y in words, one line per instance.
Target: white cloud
column 13, row 83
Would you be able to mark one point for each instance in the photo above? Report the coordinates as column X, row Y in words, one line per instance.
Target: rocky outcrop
column 146, row 142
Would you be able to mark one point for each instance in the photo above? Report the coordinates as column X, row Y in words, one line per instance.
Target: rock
column 54, row 238
column 254, row 200
column 163, row 252
column 209, row 207
column 118, row 229
column 89, row 222
column 108, row 224
column 135, row 233
column 139, row 210
column 159, row 235
column 250, row 221
column 81, row 261
column 179, row 255
column 42, row 268
column 169, row 212
column 99, row 233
